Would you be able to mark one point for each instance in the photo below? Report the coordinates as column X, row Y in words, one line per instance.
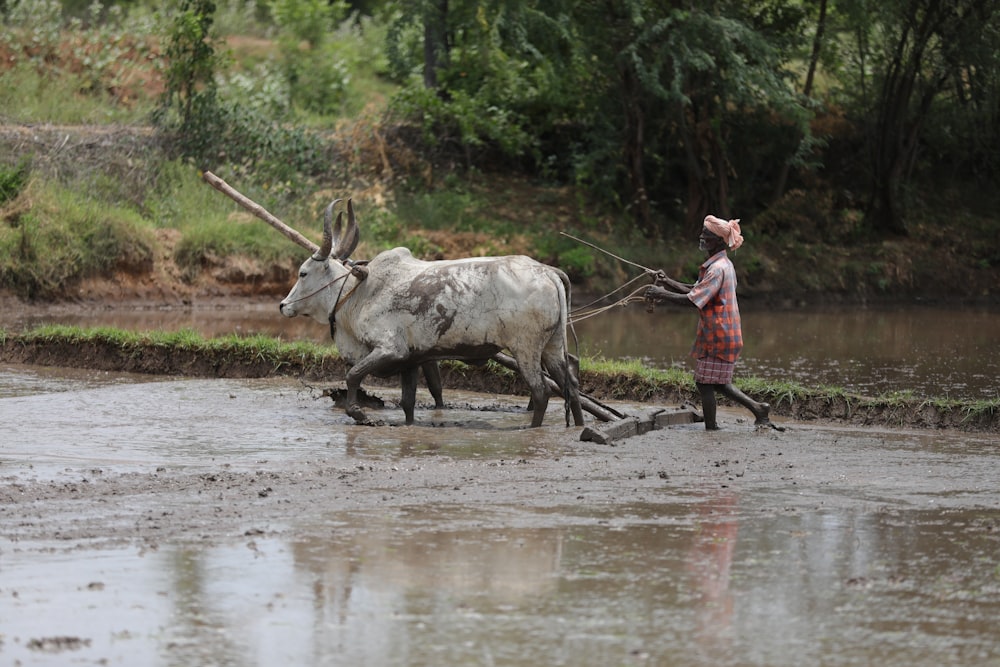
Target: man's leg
column 760, row 410
column 708, row 404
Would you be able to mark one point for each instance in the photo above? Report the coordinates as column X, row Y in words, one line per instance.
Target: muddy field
column 163, row 520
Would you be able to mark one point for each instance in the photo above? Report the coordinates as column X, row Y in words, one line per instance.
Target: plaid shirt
column 719, row 331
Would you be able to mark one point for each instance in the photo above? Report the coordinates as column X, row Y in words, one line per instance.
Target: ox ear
column 348, row 241
column 324, row 251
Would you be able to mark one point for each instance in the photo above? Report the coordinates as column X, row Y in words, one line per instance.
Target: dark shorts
column 712, row 370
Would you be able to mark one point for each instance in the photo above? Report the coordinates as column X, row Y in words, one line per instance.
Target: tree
column 915, row 49
column 689, row 81
column 192, row 57
column 482, row 77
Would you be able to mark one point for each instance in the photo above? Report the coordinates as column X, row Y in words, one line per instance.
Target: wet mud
column 250, row 522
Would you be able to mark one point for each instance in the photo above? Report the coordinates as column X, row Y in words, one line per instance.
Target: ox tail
column 572, row 360
column 568, row 323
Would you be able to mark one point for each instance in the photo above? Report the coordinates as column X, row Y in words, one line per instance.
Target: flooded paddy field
column 168, row 521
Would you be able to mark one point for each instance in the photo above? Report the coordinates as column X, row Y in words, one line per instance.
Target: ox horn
column 348, row 241
column 324, row 251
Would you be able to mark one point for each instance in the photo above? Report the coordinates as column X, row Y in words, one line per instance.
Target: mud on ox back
column 396, row 313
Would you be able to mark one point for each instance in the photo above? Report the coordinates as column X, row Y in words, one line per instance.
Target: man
column 719, row 339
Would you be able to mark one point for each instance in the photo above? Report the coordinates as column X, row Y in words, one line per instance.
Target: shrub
column 13, row 179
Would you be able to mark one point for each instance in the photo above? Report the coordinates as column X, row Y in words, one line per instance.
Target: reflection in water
column 697, row 581
column 199, row 622
column 930, row 351
column 388, row 594
column 710, row 563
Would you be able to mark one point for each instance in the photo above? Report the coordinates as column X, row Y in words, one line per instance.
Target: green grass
column 30, row 96
column 55, row 236
column 63, row 236
column 254, row 347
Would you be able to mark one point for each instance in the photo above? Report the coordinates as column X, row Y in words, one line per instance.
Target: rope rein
column 317, row 291
column 588, row 311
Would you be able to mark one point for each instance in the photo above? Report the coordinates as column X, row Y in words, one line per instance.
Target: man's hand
column 658, row 276
column 656, row 294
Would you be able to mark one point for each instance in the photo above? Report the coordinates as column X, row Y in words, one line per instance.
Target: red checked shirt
column 719, row 331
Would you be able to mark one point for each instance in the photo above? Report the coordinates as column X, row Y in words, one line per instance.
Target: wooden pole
column 259, row 211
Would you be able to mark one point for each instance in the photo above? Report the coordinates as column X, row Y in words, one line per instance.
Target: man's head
column 710, row 242
column 727, row 230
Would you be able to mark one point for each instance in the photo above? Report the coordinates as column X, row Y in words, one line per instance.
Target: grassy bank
column 189, row 354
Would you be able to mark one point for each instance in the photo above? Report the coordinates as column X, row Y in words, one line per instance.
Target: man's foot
column 762, row 415
column 712, row 427
column 764, row 419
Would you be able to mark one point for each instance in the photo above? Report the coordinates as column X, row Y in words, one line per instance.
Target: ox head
column 321, row 277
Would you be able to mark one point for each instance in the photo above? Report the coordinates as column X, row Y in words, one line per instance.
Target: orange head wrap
column 727, row 230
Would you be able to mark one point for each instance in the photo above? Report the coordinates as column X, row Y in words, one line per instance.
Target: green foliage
column 578, row 264
column 192, row 60
column 636, row 103
column 307, row 21
column 209, row 229
column 210, row 129
column 226, row 132
column 209, row 238
column 455, row 210
column 500, row 81
column 36, row 23
column 315, row 65
column 464, row 125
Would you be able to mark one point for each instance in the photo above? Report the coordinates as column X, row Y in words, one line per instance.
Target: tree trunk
column 707, row 167
column 634, row 157
column 899, row 123
column 435, row 40
column 817, row 46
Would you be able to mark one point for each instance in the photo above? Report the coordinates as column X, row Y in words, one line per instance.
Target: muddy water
column 929, row 351
column 469, row 540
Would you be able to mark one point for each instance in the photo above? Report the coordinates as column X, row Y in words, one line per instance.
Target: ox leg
column 409, row 398
column 532, row 374
column 432, row 376
column 353, row 408
column 564, row 370
column 377, row 360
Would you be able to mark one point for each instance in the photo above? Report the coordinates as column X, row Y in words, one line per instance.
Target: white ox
column 397, row 313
